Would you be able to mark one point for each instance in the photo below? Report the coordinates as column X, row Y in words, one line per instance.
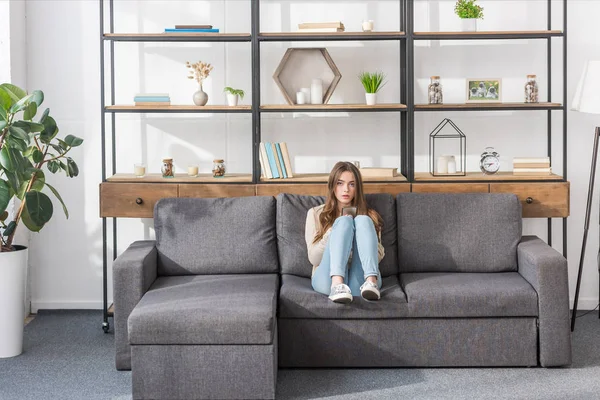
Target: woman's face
column 345, row 188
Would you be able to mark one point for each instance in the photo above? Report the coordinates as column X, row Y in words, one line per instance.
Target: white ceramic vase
column 232, row 99
column 200, row 97
column 371, row 98
column 469, row 24
column 13, row 278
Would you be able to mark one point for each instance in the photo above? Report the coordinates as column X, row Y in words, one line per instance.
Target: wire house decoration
column 455, row 144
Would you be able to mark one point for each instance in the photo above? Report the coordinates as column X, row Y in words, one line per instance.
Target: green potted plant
column 29, row 149
column 469, row 12
column 232, row 95
column 372, row 83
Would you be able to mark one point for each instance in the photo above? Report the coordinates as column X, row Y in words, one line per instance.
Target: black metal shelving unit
column 407, row 107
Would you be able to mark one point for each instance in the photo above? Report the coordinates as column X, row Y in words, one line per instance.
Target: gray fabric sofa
column 223, row 296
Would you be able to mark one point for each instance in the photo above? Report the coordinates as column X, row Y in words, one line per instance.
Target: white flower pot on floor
column 469, row 24
column 232, row 99
column 13, row 278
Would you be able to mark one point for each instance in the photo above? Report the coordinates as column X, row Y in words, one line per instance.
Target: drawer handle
column 139, row 200
column 529, row 200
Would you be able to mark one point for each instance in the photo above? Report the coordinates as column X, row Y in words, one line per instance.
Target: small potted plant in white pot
column 233, row 95
column 469, row 13
column 29, row 152
column 372, row 82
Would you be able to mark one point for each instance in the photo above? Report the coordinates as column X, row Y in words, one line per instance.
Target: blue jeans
column 347, row 233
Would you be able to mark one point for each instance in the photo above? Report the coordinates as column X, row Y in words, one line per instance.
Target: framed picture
column 484, row 90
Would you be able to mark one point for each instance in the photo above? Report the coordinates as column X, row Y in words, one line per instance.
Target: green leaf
column 37, row 156
column 39, row 207
column 50, row 130
column 38, row 184
column 73, row 170
column 5, row 195
column 6, row 101
column 38, row 97
column 29, row 126
column 62, row 145
column 13, row 181
column 53, row 166
column 44, row 115
column 10, row 228
column 8, row 159
column 2, row 125
column 30, row 111
column 26, row 219
column 4, row 216
column 15, row 92
column 73, row 141
column 59, row 199
column 21, row 104
column 3, row 114
column 19, row 133
column 56, row 147
column 16, row 143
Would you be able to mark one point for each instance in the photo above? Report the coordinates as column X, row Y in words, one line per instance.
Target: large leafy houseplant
column 29, row 147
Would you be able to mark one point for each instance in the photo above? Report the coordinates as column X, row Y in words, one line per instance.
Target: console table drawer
column 539, row 200
column 216, row 190
column 450, row 188
column 132, row 200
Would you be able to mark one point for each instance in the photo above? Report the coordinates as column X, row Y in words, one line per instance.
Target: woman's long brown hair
column 330, row 211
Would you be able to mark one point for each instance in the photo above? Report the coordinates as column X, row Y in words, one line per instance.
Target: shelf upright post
column 410, row 101
column 403, row 92
column 564, row 141
column 549, row 112
column 113, row 118
column 105, row 325
column 256, row 126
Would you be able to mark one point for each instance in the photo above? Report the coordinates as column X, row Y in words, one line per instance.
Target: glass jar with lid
column 531, row 90
column 434, row 91
column 167, row 169
column 218, row 169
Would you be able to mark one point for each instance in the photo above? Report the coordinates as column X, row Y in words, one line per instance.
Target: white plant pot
column 371, row 98
column 13, row 278
column 469, row 24
column 232, row 99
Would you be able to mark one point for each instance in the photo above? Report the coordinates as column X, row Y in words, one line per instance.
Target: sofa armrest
column 133, row 273
column 547, row 271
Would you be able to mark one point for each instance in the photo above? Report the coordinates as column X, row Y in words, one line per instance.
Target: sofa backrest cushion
column 475, row 232
column 291, row 223
column 216, row 236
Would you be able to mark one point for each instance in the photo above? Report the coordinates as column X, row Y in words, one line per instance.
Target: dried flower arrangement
column 199, row 71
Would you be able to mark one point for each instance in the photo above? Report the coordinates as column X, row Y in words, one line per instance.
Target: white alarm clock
column 490, row 161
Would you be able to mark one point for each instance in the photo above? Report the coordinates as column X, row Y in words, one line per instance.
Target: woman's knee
column 343, row 223
column 363, row 221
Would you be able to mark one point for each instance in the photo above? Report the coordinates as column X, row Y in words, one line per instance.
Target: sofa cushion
column 297, row 299
column 291, row 223
column 459, row 295
column 206, row 309
column 216, row 236
column 476, row 232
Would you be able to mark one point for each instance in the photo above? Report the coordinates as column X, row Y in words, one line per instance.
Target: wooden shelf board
column 177, row 34
column 210, row 108
column 478, row 176
column 299, row 178
column 516, row 34
column 332, row 34
column 181, row 178
column 474, row 106
column 333, row 107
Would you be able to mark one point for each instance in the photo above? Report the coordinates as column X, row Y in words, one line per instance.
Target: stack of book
column 325, row 27
column 531, row 166
column 152, row 99
column 192, row 29
column 378, row 172
column 275, row 161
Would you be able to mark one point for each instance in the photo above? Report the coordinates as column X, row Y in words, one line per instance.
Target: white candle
column 367, row 26
column 139, row 170
column 442, row 165
column 300, row 98
column 193, row 170
column 451, row 165
column 306, row 92
column 316, row 92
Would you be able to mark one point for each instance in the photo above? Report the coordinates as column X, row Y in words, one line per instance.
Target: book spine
column 286, row 160
column 193, row 26
column 151, row 95
column 336, row 24
column 322, row 30
column 280, row 159
column 151, row 99
column 263, row 153
column 526, row 160
column 531, row 165
column 272, row 163
column 152, row 103
column 533, row 170
column 170, row 30
column 274, row 150
column 262, row 165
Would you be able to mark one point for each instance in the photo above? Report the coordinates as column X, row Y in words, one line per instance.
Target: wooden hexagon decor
column 299, row 66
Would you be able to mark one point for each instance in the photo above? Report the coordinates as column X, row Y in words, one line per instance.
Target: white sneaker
column 370, row 291
column 341, row 294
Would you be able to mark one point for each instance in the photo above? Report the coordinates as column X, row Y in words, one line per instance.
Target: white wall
column 63, row 58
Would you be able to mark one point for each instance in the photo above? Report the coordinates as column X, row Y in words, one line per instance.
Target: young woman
column 345, row 251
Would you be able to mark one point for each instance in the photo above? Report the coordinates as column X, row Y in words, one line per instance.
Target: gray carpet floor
column 67, row 356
